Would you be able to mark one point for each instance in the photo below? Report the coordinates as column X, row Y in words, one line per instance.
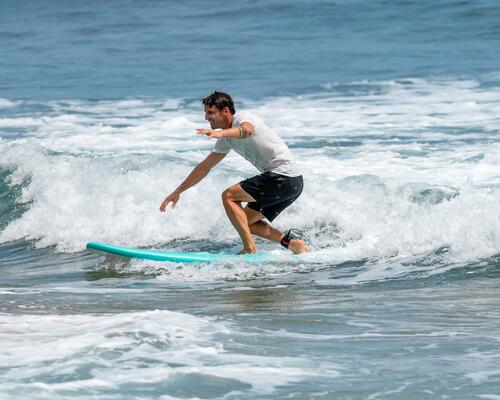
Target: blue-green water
column 392, row 110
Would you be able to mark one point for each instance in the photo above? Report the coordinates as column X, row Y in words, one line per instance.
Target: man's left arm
column 242, row 131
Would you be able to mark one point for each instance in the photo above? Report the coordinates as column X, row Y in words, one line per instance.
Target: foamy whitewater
column 382, row 180
column 393, row 114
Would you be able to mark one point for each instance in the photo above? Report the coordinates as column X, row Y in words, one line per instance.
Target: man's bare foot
column 298, row 246
column 250, row 250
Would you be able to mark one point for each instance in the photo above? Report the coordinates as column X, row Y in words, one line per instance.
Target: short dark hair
column 219, row 100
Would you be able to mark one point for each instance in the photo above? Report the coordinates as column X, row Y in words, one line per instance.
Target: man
column 279, row 184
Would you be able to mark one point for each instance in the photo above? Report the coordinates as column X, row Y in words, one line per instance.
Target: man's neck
column 230, row 122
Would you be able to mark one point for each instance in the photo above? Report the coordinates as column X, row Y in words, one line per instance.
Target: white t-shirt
column 265, row 150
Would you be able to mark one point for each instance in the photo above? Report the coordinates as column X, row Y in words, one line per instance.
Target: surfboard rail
column 172, row 256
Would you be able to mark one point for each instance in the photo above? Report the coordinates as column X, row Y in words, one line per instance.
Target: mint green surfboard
column 174, row 256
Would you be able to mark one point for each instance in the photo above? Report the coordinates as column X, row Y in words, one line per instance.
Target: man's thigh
column 236, row 193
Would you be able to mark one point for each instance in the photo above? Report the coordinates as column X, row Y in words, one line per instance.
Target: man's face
column 216, row 117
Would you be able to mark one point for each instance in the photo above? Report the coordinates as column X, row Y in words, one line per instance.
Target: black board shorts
column 273, row 192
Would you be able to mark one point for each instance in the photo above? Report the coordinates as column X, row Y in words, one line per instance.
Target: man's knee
column 227, row 196
column 235, row 193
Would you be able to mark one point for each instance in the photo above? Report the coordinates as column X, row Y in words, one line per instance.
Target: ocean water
column 392, row 109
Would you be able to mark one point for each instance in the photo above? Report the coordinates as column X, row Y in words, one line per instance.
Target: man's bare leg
column 232, row 198
column 266, row 231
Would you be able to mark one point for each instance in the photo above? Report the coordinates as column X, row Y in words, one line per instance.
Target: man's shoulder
column 244, row 113
column 242, row 116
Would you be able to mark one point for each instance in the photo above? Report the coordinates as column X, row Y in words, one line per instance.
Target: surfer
column 268, row 194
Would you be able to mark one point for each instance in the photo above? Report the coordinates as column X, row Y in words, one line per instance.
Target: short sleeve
column 242, row 117
column 222, row 146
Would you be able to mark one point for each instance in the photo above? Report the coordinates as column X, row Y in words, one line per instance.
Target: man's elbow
column 246, row 130
column 204, row 168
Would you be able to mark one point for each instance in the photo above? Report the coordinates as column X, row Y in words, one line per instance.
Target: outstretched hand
column 171, row 198
column 210, row 133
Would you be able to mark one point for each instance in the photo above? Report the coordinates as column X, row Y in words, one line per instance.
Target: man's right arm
column 196, row 175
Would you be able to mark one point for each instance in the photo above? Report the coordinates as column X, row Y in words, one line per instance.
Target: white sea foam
column 90, row 353
column 75, row 200
column 6, row 103
column 483, row 376
column 387, row 107
column 421, row 175
column 280, row 263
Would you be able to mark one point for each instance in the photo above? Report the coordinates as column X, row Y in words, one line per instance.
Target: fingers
column 203, row 131
column 167, row 201
column 164, row 204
